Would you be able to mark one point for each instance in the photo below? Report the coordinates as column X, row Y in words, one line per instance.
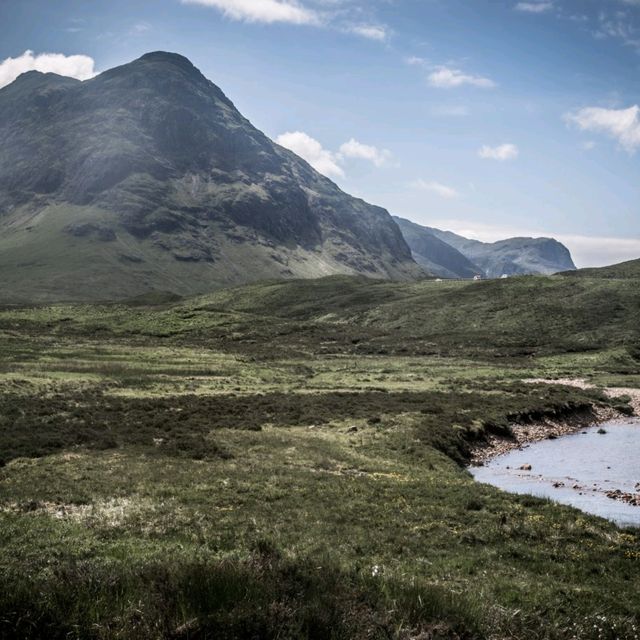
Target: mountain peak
column 168, row 57
column 146, row 177
column 36, row 78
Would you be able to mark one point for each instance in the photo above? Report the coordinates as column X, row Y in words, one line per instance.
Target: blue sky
column 487, row 117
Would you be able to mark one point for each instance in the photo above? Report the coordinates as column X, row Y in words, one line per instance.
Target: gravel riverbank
column 549, row 429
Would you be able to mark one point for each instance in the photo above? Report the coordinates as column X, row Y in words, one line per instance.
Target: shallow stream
column 578, row 470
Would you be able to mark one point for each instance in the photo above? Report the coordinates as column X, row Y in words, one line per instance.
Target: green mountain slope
column 147, row 178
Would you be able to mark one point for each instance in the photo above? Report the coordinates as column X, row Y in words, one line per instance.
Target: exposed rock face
column 464, row 258
column 152, row 161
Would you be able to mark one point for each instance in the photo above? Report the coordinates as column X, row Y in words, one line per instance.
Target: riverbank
column 548, row 428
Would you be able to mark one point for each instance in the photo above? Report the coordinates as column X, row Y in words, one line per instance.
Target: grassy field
column 286, row 460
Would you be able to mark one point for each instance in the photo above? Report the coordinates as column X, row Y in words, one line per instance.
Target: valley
column 288, row 458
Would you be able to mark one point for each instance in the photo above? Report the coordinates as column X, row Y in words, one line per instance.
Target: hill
column 147, row 177
column 624, row 270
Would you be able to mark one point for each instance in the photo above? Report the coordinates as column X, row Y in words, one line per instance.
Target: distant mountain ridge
column 513, row 256
column 435, row 255
column 147, row 178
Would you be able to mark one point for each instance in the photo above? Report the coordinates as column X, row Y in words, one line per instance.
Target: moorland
column 287, row 459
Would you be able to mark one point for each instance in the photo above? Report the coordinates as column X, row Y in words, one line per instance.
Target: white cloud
column 448, row 78
column 313, row 152
column 355, row 149
column 502, row 152
column 371, row 32
column 80, row 67
column 268, row 11
column 327, row 162
column 620, row 124
column 534, row 7
column 438, row 188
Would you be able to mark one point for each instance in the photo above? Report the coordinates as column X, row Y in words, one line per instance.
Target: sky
column 490, row 118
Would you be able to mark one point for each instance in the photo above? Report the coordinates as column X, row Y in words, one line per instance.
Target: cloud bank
column 78, row 66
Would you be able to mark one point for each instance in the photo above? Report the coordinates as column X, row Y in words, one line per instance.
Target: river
column 578, row 470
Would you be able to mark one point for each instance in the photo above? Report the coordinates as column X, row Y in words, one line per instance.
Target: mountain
column 514, row 256
column 434, row 254
column 147, row 178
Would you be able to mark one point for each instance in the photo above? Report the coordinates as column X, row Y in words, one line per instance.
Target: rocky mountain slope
column 146, row 178
column 514, row 256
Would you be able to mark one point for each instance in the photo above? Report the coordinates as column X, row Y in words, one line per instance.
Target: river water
column 584, row 467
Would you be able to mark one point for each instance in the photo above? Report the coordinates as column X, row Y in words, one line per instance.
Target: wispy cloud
column 618, row 25
column 358, row 150
column 371, row 32
column 140, row 27
column 437, row 188
column 78, row 66
column 621, row 124
column 502, row 152
column 449, row 78
column 534, row 7
column 416, row 61
column 267, row 11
